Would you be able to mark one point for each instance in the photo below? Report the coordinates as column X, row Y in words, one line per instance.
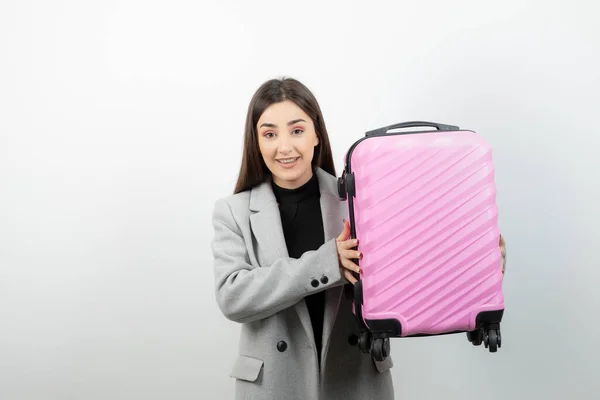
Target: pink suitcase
column 423, row 207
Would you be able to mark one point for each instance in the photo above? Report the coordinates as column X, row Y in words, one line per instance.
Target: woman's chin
column 291, row 177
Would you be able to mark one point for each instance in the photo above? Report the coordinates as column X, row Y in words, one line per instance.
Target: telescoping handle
column 412, row 124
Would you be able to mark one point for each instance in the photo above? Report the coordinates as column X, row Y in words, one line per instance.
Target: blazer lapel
column 270, row 240
column 266, row 226
column 265, row 223
column 333, row 213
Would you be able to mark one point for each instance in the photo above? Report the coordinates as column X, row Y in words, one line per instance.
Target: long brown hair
column 253, row 169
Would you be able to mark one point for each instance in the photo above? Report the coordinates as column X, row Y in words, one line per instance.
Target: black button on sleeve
column 324, row 280
column 281, row 346
column 314, row 283
column 353, row 340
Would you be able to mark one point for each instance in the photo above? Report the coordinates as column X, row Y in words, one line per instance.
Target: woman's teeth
column 288, row 160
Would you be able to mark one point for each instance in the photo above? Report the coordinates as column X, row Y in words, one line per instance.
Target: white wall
column 121, row 123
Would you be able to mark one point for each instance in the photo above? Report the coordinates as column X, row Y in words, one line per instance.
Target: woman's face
column 287, row 140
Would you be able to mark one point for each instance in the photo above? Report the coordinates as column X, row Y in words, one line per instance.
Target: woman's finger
column 350, row 277
column 502, row 245
column 345, row 232
column 350, row 265
column 347, row 244
column 351, row 254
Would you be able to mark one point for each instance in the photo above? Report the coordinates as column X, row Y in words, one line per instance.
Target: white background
column 121, row 123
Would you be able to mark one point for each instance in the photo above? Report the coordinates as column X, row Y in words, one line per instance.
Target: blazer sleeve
column 247, row 293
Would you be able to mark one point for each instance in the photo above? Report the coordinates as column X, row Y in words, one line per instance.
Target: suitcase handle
column 411, row 124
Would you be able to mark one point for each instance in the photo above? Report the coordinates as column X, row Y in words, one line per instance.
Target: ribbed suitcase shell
column 425, row 214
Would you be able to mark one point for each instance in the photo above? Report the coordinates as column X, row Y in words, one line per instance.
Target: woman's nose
column 284, row 146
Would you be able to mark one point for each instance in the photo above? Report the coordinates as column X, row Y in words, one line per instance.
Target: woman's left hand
column 503, row 252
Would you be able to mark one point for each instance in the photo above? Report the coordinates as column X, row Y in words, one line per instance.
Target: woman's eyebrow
column 296, row 121
column 270, row 125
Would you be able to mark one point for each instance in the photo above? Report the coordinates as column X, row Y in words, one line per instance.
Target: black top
column 302, row 223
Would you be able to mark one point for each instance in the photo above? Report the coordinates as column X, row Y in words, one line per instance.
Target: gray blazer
column 259, row 286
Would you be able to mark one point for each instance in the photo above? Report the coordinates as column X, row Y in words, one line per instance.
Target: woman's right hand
column 346, row 253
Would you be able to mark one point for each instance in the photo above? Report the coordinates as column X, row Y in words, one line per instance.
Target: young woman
column 282, row 255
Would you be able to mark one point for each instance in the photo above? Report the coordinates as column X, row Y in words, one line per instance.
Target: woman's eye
column 269, row 134
column 298, row 131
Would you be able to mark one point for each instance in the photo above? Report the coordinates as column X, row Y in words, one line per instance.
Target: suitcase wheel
column 381, row 348
column 365, row 342
column 475, row 337
column 493, row 340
